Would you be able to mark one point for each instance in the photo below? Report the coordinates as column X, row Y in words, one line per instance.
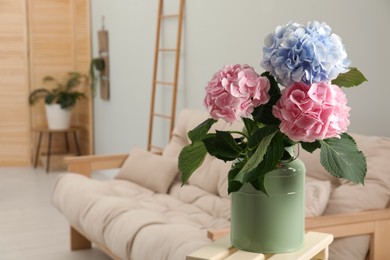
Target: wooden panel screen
column 60, row 43
column 51, row 46
column 82, row 41
column 14, row 109
column 40, row 38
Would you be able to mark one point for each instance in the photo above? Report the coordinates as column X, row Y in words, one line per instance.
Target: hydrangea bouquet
column 311, row 65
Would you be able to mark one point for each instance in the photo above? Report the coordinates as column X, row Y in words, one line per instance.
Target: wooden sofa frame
column 376, row 223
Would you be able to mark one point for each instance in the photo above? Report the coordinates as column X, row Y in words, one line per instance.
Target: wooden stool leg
column 76, row 143
column 37, row 149
column 66, row 142
column 48, row 154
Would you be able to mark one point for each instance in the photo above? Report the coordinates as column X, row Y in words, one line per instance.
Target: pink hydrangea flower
column 234, row 92
column 312, row 112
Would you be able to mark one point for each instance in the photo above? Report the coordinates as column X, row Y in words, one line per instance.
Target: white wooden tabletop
column 315, row 247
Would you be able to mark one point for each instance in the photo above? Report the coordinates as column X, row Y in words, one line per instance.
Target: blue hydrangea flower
column 310, row 54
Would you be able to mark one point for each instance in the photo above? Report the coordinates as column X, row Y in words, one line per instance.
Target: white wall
column 217, row 32
column 122, row 122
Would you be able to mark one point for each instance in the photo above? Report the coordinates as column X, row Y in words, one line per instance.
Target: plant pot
column 57, row 118
column 274, row 223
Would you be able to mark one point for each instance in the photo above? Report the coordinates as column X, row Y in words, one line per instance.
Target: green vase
column 274, row 223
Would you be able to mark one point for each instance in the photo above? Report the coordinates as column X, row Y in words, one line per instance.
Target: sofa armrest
column 215, row 234
column 375, row 223
column 348, row 224
column 85, row 165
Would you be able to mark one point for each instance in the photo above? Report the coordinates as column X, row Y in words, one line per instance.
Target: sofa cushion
column 212, row 174
column 117, row 213
column 124, row 215
column 317, row 194
column 216, row 206
column 174, row 241
column 149, row 170
column 73, row 192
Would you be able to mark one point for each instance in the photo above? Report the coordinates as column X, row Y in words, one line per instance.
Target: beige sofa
column 145, row 213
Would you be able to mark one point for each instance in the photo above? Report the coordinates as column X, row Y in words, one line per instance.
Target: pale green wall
column 217, row 32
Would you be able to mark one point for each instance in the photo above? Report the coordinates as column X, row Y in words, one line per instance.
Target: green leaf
column 272, row 157
column 256, row 158
column 50, row 98
column 38, row 94
column 341, row 158
column 287, row 155
column 226, row 145
column 250, row 126
column 256, row 176
column 68, row 99
column 99, row 64
column 201, row 130
column 209, row 142
column 49, row 79
column 259, row 134
column 350, row 79
column 72, row 83
column 311, row 147
column 190, row 158
column 263, row 113
column 222, row 146
column 258, row 184
column 234, row 185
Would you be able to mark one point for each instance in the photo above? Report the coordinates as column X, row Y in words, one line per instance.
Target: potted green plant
column 60, row 98
column 96, row 64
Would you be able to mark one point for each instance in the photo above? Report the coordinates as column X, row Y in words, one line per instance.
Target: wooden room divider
column 40, row 38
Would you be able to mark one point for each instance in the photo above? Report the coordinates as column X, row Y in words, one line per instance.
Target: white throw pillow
column 149, row 170
column 317, row 194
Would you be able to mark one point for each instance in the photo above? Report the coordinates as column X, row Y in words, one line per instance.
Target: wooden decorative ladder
column 156, row 83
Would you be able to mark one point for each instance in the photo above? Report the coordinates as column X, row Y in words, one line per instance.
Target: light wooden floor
column 30, row 228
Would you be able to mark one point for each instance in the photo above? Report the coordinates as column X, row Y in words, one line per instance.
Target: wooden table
column 50, row 133
column 315, row 247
